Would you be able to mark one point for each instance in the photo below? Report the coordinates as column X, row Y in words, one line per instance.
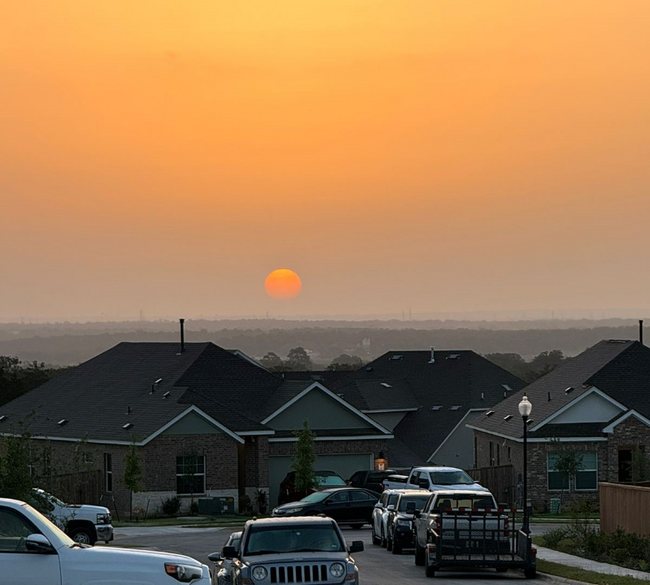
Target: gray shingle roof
column 621, row 369
column 457, row 378
column 95, row 396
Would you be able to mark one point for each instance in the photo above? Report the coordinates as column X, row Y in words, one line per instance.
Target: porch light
column 381, row 463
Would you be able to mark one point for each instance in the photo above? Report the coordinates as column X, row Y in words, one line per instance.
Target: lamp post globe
column 525, row 407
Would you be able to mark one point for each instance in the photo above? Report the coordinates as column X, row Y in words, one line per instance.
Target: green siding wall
column 321, row 411
column 192, row 424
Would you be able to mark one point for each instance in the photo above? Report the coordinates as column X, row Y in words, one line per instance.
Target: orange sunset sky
column 450, row 155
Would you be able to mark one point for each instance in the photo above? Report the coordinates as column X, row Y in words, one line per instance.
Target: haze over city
column 445, row 158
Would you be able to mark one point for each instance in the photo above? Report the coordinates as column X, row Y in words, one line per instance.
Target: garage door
column 344, row 465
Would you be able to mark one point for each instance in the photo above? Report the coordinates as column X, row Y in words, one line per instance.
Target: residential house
column 425, row 399
column 205, row 422
column 597, row 404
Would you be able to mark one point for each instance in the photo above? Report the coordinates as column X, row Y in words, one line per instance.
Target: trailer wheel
column 530, row 572
column 419, row 555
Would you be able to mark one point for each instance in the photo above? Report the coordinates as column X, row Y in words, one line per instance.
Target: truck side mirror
column 215, row 557
column 391, row 507
column 229, row 552
column 37, row 543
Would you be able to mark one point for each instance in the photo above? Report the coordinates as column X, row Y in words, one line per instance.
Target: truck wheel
column 389, row 544
column 502, row 569
column 383, row 538
column 375, row 538
column 397, row 549
column 419, row 555
column 429, row 571
column 530, row 572
column 82, row 535
column 356, row 526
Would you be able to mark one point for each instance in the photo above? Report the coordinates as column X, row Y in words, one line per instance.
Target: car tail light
column 533, row 550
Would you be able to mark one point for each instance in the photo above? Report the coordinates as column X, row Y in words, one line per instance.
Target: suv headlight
column 402, row 522
column 259, row 573
column 337, row 570
column 103, row 518
column 183, row 573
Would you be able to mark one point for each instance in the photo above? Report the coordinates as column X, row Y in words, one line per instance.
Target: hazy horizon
column 403, row 157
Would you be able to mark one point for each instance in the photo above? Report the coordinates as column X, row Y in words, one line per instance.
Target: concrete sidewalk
column 554, row 556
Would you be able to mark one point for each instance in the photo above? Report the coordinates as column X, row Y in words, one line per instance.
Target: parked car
column 223, row 565
column 293, row 550
column 399, row 520
column 394, row 482
column 370, row 480
column 34, row 551
column 380, row 514
column 441, row 478
column 83, row 523
column 351, row 506
column 325, row 479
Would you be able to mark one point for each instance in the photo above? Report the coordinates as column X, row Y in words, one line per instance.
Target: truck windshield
column 465, row 501
column 419, row 501
column 450, row 478
column 297, row 538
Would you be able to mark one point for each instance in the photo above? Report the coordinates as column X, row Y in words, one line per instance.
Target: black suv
column 370, row 480
column 399, row 524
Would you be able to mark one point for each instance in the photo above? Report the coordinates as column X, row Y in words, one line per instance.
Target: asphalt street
column 376, row 565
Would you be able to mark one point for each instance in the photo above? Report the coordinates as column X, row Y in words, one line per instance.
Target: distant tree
column 298, row 359
column 345, row 363
column 303, row 461
column 17, row 377
column 272, row 361
column 512, row 362
column 546, row 362
column 132, row 473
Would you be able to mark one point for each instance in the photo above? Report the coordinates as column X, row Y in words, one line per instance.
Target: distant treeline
column 63, row 346
column 17, row 377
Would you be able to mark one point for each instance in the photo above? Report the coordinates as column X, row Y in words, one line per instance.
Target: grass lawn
column 585, row 576
column 198, row 521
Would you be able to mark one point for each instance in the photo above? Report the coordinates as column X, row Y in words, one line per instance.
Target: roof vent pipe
column 182, row 322
column 641, row 331
column 433, row 355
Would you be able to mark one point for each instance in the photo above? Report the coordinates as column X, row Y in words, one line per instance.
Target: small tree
column 15, row 466
column 303, row 461
column 132, row 473
column 298, row 360
column 568, row 463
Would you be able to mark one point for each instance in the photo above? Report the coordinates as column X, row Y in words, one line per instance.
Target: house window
column 87, row 458
column 498, row 454
column 475, row 452
column 557, row 480
column 108, row 472
column 587, row 477
column 509, row 454
column 190, row 475
column 491, row 453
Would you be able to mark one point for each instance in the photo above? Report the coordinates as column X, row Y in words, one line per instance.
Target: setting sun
column 283, row 284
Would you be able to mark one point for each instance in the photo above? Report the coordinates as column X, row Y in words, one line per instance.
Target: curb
column 547, row 577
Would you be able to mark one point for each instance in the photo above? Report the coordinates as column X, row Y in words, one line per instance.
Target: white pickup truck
column 34, row 551
column 83, row 523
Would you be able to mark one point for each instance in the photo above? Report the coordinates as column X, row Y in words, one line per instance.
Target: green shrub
column 171, row 506
column 553, row 537
column 567, row 545
column 619, row 555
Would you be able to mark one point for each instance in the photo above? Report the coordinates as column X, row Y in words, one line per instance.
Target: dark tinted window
column 359, row 496
column 418, row 500
column 342, row 496
column 14, row 529
column 392, row 498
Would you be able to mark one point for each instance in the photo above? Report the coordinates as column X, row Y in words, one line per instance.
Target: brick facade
column 629, row 434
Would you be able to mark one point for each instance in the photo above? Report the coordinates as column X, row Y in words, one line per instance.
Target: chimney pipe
column 433, row 355
column 182, row 322
column 641, row 331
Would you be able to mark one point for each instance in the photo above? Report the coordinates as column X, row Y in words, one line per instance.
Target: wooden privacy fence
column 84, row 487
column 500, row 480
column 624, row 506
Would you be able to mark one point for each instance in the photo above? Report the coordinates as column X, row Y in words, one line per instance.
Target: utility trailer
column 476, row 537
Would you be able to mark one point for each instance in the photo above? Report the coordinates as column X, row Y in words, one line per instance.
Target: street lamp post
column 525, row 408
